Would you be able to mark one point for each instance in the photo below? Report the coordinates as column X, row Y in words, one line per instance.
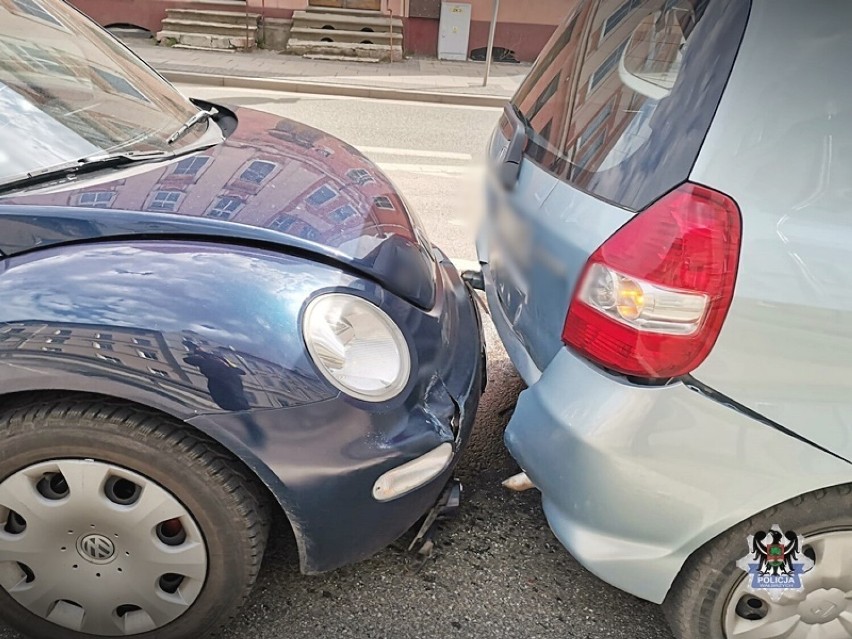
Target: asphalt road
column 497, row 571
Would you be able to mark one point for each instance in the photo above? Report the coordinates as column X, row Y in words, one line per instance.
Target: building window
column 343, row 213
column 225, row 208
column 96, row 199
column 158, row 372
column 545, row 96
column 165, row 201
column 102, row 346
column 141, row 341
column 606, row 66
column 145, row 354
column 282, row 223
column 257, row 171
column 595, row 124
column 190, row 166
column 119, row 84
column 51, row 349
column 107, row 358
column 383, row 202
column 360, row 176
column 310, row 233
column 11, row 333
column 546, row 130
column 617, row 16
column 35, row 9
column 56, row 340
column 103, row 335
column 322, row 195
column 590, row 152
column 39, row 59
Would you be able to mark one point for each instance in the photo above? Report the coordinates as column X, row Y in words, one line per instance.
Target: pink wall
column 148, row 15
column 526, row 40
column 292, row 5
column 544, row 12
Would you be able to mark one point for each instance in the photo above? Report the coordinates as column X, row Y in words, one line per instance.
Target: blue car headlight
column 356, row 346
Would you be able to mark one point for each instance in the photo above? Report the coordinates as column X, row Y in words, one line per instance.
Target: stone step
column 339, row 58
column 206, row 40
column 192, row 48
column 217, row 17
column 348, row 49
column 343, row 21
column 237, row 4
column 210, row 28
column 338, row 35
column 346, row 12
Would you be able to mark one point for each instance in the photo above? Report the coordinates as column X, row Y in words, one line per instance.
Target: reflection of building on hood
column 224, row 380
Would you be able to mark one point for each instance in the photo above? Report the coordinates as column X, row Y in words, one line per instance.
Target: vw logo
column 825, row 610
column 98, row 549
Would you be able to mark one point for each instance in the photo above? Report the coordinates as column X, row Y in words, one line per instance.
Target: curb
column 322, row 88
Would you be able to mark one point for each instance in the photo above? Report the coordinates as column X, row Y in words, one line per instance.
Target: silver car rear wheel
column 709, row 598
column 823, row 610
column 97, row 548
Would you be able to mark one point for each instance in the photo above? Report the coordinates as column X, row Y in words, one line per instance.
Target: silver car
column 668, row 259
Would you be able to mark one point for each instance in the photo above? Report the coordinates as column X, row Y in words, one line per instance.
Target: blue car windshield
column 68, row 90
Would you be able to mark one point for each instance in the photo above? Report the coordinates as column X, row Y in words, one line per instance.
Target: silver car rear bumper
column 635, row 478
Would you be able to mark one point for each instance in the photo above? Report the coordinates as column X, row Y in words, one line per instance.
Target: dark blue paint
column 287, row 185
column 210, row 334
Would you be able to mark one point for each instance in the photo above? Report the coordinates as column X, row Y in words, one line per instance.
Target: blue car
column 666, row 258
column 208, row 315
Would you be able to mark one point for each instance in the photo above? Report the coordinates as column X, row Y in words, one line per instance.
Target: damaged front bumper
column 332, row 465
column 447, row 506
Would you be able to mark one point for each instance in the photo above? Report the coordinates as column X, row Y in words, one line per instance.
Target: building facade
column 523, row 27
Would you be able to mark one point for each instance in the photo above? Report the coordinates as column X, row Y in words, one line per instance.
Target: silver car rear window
column 620, row 100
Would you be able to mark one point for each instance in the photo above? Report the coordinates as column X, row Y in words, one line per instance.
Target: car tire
column 170, row 467
column 702, row 598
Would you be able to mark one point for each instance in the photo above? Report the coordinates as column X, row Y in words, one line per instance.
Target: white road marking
column 432, row 169
column 465, row 265
column 415, row 153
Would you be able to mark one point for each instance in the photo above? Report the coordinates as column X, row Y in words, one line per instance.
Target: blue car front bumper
column 322, row 460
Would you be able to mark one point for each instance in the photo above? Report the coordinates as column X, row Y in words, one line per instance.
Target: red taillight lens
column 652, row 299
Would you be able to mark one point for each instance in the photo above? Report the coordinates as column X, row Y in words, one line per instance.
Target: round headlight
column 356, row 346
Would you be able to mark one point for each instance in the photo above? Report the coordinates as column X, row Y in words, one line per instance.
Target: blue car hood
column 273, row 182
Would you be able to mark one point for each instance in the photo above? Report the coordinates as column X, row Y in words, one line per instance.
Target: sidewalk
column 413, row 79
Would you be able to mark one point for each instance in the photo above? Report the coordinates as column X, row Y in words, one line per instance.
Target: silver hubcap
column 823, row 610
column 97, row 548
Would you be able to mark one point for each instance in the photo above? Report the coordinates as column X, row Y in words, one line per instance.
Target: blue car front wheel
column 115, row 521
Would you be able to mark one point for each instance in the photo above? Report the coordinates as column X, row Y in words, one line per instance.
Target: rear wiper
column 83, row 165
column 197, row 118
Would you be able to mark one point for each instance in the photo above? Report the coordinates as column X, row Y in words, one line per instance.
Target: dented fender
column 210, row 334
